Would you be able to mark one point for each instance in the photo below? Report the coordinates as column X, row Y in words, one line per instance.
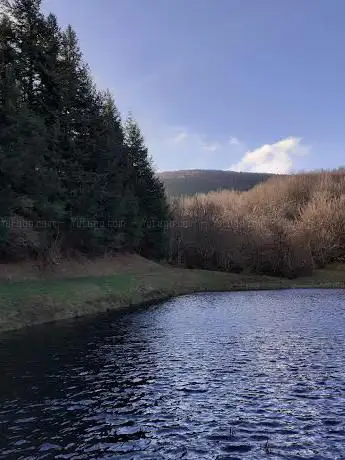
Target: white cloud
column 194, row 140
column 177, row 147
column 273, row 158
column 212, row 146
column 234, row 141
column 180, row 137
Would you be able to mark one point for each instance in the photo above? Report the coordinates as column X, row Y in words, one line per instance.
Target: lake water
column 207, row 376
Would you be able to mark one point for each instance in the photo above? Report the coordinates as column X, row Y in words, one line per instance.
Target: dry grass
column 80, row 266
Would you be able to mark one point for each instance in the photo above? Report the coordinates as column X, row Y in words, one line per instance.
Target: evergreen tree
column 22, row 173
column 77, row 109
column 95, row 167
column 50, row 89
column 28, row 25
column 30, row 30
column 64, row 155
column 9, row 96
column 48, row 106
column 110, row 164
column 22, row 135
column 153, row 207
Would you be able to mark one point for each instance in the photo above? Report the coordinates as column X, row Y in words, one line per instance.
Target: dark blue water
column 211, row 376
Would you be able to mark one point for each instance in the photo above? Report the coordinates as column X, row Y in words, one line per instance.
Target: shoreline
column 25, row 303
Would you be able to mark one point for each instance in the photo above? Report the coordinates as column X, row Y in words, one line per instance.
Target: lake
column 243, row 375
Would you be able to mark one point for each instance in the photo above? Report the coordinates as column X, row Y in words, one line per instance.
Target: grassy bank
column 35, row 301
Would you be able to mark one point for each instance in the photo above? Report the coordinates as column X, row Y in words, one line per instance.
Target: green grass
column 24, row 303
column 63, row 288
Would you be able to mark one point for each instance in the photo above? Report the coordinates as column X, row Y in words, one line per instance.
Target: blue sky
column 255, row 85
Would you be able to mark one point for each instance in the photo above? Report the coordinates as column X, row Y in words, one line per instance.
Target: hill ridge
column 192, row 181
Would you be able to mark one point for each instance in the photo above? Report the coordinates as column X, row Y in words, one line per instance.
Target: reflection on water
column 208, row 376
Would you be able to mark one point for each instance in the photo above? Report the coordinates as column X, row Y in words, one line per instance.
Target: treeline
column 73, row 177
column 287, row 226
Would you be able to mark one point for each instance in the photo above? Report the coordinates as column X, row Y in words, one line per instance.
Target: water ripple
column 205, row 377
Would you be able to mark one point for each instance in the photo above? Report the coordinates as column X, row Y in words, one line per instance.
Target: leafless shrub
column 286, row 226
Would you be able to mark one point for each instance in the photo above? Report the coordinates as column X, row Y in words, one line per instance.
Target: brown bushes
column 286, row 226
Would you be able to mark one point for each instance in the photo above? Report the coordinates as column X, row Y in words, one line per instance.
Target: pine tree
column 48, row 106
column 28, row 25
column 75, row 105
column 153, row 207
column 9, row 94
column 64, row 155
column 115, row 200
column 40, row 181
column 22, row 135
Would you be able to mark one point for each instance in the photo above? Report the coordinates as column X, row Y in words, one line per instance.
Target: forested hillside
column 73, row 177
column 189, row 182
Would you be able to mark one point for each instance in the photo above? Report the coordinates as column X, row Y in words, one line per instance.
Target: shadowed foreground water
column 209, row 376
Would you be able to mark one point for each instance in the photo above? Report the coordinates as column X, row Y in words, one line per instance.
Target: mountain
column 189, row 182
